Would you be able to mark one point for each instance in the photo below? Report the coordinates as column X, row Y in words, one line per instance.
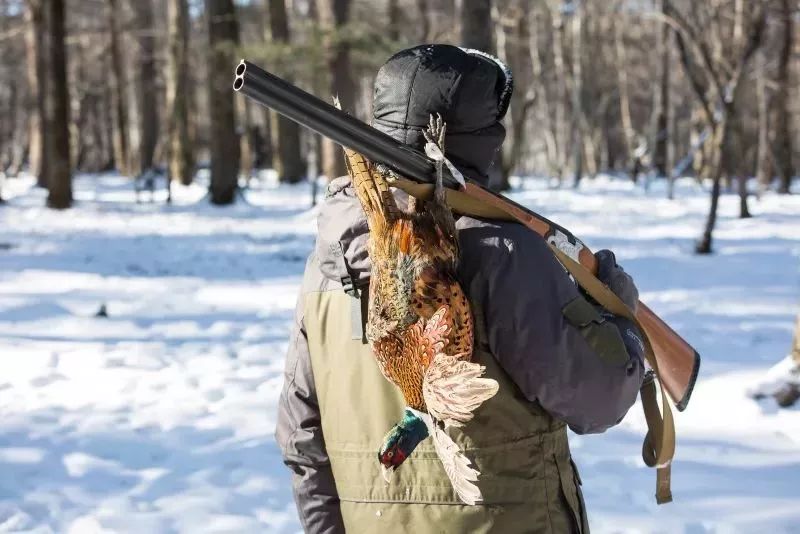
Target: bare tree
column 147, row 96
column 288, row 161
column 334, row 15
column 784, row 149
column 394, row 19
column 59, row 182
column 562, row 82
column 715, row 82
column 513, row 49
column 180, row 153
column 476, row 27
column 764, row 168
column 578, row 117
column 119, row 85
column 542, row 90
column 36, row 52
column 621, row 56
column 223, row 34
column 661, row 133
column 424, row 21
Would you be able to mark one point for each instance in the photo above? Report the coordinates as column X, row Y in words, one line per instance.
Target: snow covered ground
column 159, row 417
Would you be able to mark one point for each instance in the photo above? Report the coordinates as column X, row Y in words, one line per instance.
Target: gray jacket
column 525, row 296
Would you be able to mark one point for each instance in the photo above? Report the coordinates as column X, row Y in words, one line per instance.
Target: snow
column 159, row 417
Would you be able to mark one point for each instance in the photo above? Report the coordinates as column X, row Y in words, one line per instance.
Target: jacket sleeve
column 580, row 363
column 299, row 436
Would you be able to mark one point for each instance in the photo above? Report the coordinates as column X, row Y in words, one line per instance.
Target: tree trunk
column 119, row 86
column 744, row 211
column 107, row 111
column 628, row 132
column 661, row 133
column 246, row 149
column 673, row 151
column 542, row 91
column 288, row 160
column 515, row 52
column 84, row 144
column 782, row 106
column 36, row 47
column 424, row 21
column 562, row 95
column 721, row 134
column 334, row 15
column 147, row 94
column 223, row 34
column 730, row 167
column 476, row 25
column 394, row 20
column 763, row 157
column 180, row 153
column 265, row 146
column 577, row 94
column 60, row 176
column 18, row 132
column 314, row 142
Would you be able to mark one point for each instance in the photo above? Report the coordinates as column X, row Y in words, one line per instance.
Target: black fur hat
column 470, row 89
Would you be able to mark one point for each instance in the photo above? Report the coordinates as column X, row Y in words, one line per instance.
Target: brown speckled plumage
column 420, row 323
column 414, row 256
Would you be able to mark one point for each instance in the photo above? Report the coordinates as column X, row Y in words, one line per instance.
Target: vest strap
column 353, row 287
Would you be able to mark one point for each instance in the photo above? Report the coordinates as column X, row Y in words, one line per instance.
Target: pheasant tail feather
column 372, row 190
column 457, row 466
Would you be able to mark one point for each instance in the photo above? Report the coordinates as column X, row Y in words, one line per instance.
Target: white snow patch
column 160, row 417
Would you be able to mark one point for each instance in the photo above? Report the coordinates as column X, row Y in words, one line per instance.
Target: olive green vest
column 527, row 479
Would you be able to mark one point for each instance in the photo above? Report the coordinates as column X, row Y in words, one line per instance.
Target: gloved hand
column 616, row 278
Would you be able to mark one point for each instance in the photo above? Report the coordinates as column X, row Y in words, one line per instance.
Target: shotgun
column 675, row 362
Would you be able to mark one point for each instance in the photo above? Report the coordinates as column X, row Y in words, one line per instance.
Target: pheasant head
column 400, row 442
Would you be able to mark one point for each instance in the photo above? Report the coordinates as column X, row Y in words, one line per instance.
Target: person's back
column 556, row 358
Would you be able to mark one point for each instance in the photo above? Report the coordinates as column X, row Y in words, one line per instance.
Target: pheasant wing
column 438, row 287
column 453, row 389
column 403, row 360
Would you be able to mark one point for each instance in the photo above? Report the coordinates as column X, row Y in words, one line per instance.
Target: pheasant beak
column 387, row 473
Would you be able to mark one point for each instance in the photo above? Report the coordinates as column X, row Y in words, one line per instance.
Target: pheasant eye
column 390, row 454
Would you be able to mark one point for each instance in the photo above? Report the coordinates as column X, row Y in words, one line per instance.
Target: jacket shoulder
column 502, row 243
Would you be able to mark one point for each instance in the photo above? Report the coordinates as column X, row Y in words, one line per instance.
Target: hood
column 471, row 90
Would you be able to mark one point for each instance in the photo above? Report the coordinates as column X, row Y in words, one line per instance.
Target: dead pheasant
column 420, row 323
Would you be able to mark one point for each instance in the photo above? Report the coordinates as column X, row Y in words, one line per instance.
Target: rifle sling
column 658, row 447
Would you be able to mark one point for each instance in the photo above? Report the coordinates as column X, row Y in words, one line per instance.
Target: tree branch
column 695, row 81
column 754, row 40
column 687, row 30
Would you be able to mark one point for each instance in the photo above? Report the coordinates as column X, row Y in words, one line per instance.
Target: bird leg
column 434, row 135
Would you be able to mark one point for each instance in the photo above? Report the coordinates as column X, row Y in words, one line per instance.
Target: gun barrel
column 316, row 114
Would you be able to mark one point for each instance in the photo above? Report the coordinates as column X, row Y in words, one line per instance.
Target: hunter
column 554, row 352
